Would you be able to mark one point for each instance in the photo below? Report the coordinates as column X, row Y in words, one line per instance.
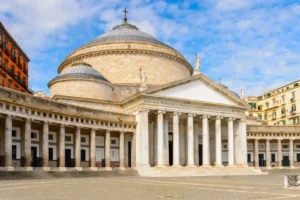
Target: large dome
column 125, row 32
column 122, row 53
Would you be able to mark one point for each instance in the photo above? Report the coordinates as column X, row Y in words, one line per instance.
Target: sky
column 246, row 44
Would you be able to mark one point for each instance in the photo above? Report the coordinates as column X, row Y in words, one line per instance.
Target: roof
column 80, row 70
column 13, row 41
column 125, row 32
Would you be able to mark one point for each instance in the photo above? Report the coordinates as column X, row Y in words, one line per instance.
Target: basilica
column 126, row 100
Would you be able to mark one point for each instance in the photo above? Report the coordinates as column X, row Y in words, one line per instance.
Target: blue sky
column 250, row 44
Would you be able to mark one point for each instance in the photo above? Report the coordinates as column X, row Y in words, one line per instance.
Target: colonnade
column 61, row 147
column 268, row 152
column 238, row 140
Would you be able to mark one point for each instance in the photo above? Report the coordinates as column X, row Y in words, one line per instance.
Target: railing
column 292, row 99
column 293, row 112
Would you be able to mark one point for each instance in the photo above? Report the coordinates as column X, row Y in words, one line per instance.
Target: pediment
column 199, row 88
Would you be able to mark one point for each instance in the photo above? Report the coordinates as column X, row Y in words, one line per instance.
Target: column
column 182, row 143
column 292, row 153
column 27, row 145
column 268, row 154
column 8, row 144
column 143, row 138
column 256, row 160
column 45, row 146
column 160, row 139
column 218, row 142
column 133, row 150
column 279, row 153
column 176, row 157
column 78, row 149
column 93, row 150
column 230, row 143
column 107, row 150
column 240, row 150
column 166, row 140
column 122, row 135
column 205, row 142
column 62, row 135
column 190, row 137
column 196, row 143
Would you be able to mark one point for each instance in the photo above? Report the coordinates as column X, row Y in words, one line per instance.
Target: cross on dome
column 125, row 12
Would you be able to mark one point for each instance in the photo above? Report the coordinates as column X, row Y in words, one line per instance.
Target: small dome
column 80, row 70
column 125, row 32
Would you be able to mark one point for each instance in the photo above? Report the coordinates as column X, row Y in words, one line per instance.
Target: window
column 6, row 64
column 83, row 140
column 268, row 95
column 113, row 142
column 51, row 137
column 83, row 155
column 274, row 102
column 3, row 80
column 33, row 135
column 14, row 152
column 298, row 146
column 293, row 96
column 298, row 157
column 1, row 59
column 285, row 146
column 253, row 106
column 1, row 39
column 68, row 139
column 14, row 133
column 293, row 109
column 274, row 115
column 259, row 116
column 51, row 153
column 273, row 157
column 282, row 99
column 6, row 44
column 296, row 85
column 283, row 123
column 283, row 111
column 266, row 117
column 267, row 105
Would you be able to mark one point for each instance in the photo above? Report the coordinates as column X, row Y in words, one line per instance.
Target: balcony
column 13, row 58
column 293, row 112
column 273, row 117
column 293, row 100
column 283, row 114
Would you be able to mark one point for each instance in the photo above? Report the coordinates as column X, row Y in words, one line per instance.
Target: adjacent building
column 278, row 106
column 13, row 63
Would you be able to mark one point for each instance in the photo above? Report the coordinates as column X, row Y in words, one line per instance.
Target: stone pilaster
column 176, row 156
column 279, row 148
column 230, row 143
column 205, row 142
column 78, row 149
column 27, row 145
column 61, row 148
column 218, row 142
column 190, row 137
column 45, row 146
column 122, row 154
column 268, row 154
column 256, row 158
column 292, row 166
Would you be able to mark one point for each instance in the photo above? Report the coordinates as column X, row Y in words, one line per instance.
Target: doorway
column 286, row 161
column 68, row 159
column 200, row 154
column 170, row 152
column 129, row 154
column 261, row 160
column 34, row 157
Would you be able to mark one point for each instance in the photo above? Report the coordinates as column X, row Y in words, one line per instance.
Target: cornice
column 123, row 51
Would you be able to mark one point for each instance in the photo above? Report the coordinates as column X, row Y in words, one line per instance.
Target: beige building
column 277, row 107
column 127, row 100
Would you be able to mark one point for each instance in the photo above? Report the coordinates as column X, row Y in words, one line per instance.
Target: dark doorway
column 200, row 154
column 261, row 160
column 170, row 153
column 68, row 159
column 34, row 157
column 249, row 158
column 82, row 155
column 286, row 161
column 129, row 154
column 14, row 152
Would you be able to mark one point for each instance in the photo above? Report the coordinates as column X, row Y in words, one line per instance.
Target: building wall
column 13, row 68
column 276, row 104
column 124, row 68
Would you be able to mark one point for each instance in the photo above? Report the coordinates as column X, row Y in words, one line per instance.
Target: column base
column 144, row 165
column 242, row 165
column 161, row 166
column 78, row 168
column 108, row 168
column 28, row 169
column 94, row 168
column 269, row 167
column 206, row 166
column 9, row 169
column 62, row 169
column 280, row 167
column 219, row 166
column 176, row 165
column 46, row 169
column 122, row 168
column 191, row 166
column 231, row 166
column 292, row 167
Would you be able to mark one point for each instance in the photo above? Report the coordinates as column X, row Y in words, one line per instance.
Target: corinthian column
column 78, row 149
column 107, row 150
column 230, row 143
column 62, row 135
column 160, row 139
column 205, row 142
column 279, row 154
column 268, row 154
column 218, row 143
column 292, row 153
column 93, row 150
column 191, row 162
column 176, row 157
column 256, row 158
column 122, row 155
column 45, row 146
column 8, row 144
column 27, row 145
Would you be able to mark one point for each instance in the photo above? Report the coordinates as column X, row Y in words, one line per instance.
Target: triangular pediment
column 199, row 88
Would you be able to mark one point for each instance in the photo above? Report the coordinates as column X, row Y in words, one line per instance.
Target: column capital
column 78, row 128
column 176, row 113
column 191, row 115
column 279, row 139
column 161, row 112
column 28, row 120
column 292, row 139
column 218, row 117
column 205, row 116
column 122, row 131
column 144, row 110
column 107, row 131
column 62, row 125
column 46, row 122
column 8, row 116
column 230, row 119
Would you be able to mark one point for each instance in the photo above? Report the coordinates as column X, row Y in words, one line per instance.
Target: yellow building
column 277, row 107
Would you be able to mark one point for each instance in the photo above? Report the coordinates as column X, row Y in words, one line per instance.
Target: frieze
column 192, row 106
